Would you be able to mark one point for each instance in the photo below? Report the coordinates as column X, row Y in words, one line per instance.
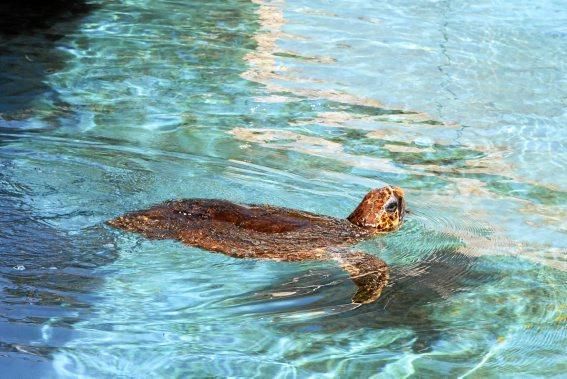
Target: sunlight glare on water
column 297, row 104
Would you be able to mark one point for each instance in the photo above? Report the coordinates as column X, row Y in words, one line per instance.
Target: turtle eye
column 391, row 206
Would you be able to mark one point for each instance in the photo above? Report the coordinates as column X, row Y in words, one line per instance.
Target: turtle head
column 382, row 209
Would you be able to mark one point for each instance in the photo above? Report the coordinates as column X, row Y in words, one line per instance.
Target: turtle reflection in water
column 266, row 232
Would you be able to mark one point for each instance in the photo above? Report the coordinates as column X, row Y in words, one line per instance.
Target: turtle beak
column 402, row 209
column 401, row 203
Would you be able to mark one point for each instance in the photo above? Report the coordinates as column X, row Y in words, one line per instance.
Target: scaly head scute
column 382, row 209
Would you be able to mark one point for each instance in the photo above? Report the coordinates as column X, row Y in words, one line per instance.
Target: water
column 307, row 105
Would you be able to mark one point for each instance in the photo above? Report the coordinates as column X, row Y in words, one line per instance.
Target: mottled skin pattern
column 266, row 232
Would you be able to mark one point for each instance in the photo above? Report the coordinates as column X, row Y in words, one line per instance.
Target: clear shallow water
column 304, row 105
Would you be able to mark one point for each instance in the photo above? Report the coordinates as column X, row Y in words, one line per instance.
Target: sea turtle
column 267, row 232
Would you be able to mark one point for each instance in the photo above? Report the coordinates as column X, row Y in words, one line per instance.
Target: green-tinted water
column 305, row 105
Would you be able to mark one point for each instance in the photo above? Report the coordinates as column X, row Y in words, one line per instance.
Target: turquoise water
column 299, row 104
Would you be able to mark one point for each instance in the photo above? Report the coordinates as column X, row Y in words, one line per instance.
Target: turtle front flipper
column 369, row 273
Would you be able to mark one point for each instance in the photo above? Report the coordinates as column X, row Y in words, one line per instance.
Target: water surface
column 299, row 104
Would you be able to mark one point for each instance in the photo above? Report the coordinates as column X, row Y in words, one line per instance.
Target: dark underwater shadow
column 406, row 302
column 29, row 31
column 45, row 276
column 47, row 281
column 26, row 17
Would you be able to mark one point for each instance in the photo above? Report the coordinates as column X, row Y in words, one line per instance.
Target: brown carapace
column 266, row 232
